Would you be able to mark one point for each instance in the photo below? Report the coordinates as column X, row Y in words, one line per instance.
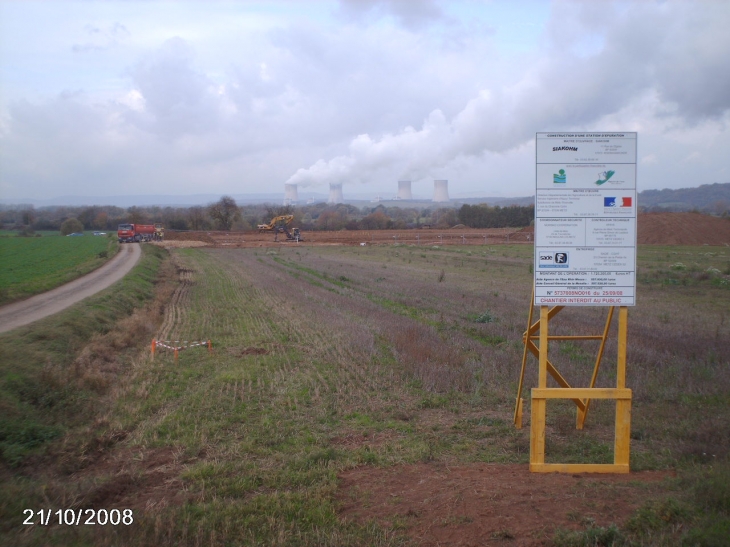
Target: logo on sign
column 603, row 177
column 559, row 177
column 553, row 260
column 617, row 202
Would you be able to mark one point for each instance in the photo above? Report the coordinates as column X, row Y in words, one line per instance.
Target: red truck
column 127, row 233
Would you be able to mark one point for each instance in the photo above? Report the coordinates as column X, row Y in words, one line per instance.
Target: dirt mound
column 189, row 236
column 484, row 503
column 678, row 229
column 682, row 229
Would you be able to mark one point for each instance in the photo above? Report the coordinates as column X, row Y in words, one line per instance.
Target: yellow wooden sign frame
column 538, row 331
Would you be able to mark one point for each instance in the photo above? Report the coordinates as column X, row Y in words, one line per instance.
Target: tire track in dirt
column 281, row 319
column 268, row 307
column 175, row 309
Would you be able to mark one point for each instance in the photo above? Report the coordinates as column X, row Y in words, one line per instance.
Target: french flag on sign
column 617, row 202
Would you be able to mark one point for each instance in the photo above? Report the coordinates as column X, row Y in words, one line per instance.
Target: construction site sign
column 585, row 219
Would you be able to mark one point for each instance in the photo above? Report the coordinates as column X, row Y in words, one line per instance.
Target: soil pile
column 188, row 236
column 683, row 229
column 678, row 229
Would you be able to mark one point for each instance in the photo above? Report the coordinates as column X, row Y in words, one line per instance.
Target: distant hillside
column 711, row 198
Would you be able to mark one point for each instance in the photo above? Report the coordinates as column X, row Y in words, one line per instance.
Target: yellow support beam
column 581, row 396
column 537, row 432
column 582, row 393
column 578, row 468
column 529, row 337
column 582, row 413
column 517, row 418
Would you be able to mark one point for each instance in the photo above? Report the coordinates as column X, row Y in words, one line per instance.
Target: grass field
column 330, row 358
column 31, row 265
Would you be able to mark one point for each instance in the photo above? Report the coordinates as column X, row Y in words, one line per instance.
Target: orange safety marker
column 177, row 345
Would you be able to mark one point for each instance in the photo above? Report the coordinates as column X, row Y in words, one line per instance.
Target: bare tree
column 275, row 211
column 197, row 218
column 224, row 212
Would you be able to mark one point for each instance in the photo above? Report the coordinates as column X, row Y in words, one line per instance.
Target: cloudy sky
column 112, row 97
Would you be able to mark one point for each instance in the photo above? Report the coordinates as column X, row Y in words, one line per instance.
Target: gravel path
column 42, row 305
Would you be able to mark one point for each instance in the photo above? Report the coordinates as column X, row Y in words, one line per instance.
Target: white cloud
column 567, row 89
column 172, row 98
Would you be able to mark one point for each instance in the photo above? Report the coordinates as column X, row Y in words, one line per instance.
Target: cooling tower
column 404, row 189
column 291, row 194
column 441, row 190
column 336, row 193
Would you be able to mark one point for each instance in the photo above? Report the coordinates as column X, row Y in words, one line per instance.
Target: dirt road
column 42, row 305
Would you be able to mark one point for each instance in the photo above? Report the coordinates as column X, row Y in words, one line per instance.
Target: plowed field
column 654, row 229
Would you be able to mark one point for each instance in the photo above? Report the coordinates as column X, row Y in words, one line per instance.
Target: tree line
column 227, row 215
column 484, row 216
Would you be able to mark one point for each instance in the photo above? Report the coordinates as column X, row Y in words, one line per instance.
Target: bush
column 70, row 226
column 486, row 317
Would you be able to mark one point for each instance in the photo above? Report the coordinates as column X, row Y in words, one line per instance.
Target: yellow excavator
column 280, row 225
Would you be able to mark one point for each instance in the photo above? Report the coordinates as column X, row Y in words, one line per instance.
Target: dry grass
column 330, row 358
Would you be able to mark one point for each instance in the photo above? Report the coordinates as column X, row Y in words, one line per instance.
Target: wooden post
column 518, row 413
column 581, row 396
column 542, row 371
column 621, row 449
column 153, row 348
column 581, row 414
column 517, row 419
column 539, row 405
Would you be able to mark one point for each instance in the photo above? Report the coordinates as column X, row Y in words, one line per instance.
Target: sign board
column 585, row 219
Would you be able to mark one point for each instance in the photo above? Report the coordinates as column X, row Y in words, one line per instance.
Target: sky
column 133, row 97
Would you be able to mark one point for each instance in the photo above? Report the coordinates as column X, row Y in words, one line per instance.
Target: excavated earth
column 653, row 229
column 489, row 504
column 485, row 504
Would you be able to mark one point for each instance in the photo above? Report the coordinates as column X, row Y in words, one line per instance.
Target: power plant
column 404, row 189
column 291, row 194
column 440, row 191
column 336, row 193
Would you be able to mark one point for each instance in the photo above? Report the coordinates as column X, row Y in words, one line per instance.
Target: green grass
column 43, row 390
column 37, row 233
column 684, row 266
column 31, row 265
column 330, row 358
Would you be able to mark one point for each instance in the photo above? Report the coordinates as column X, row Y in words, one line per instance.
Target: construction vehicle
column 129, row 233
column 280, row 225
